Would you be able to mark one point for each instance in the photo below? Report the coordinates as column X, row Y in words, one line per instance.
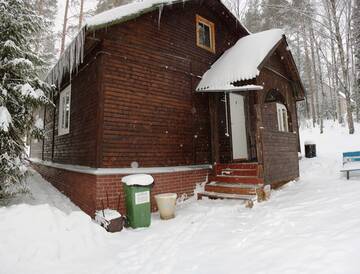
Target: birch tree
column 335, row 17
column 356, row 37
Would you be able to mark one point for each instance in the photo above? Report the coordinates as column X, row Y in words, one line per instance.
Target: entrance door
column 238, row 127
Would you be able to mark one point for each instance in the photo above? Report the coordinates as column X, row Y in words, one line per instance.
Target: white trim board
column 116, row 171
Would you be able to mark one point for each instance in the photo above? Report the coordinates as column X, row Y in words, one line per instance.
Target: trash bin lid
column 138, row 179
column 309, row 142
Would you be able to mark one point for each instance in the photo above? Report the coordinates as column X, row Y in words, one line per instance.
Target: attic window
column 205, row 34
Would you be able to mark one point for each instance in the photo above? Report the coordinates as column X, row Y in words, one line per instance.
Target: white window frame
column 282, row 117
column 64, row 122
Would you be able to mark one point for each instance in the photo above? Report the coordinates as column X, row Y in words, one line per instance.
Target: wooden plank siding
column 152, row 114
column 279, row 149
column 79, row 146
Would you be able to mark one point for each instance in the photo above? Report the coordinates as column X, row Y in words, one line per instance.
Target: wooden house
column 180, row 90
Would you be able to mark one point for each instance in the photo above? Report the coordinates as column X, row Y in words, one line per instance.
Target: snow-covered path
column 309, row 226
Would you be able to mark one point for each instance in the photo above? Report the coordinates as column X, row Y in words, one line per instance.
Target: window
column 282, row 117
column 205, row 34
column 64, row 111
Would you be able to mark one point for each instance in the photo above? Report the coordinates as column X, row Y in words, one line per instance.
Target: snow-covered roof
column 130, row 11
column 241, row 62
column 127, row 12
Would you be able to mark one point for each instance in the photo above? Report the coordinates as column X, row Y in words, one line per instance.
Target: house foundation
column 92, row 189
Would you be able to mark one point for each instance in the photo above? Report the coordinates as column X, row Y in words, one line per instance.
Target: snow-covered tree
column 252, row 18
column 46, row 38
column 21, row 89
column 103, row 5
column 276, row 13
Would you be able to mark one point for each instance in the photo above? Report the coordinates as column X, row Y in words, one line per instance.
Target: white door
column 238, row 127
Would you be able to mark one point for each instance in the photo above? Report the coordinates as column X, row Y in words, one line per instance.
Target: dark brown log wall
column 79, row 146
column 151, row 113
column 280, row 149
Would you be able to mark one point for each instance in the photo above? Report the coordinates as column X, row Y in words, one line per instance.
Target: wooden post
column 213, row 109
column 259, row 129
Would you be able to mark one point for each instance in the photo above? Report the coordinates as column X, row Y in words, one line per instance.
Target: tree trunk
column 81, row 15
column 310, row 97
column 344, row 69
column 63, row 35
column 316, row 90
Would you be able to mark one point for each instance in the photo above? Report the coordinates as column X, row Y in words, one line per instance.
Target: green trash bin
column 137, row 199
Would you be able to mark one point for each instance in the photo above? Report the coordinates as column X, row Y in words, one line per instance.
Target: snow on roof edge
column 241, row 62
column 135, row 9
column 231, row 88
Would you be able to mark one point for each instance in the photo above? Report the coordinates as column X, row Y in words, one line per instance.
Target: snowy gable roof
column 241, row 62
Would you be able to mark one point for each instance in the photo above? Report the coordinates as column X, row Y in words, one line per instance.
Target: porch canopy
column 240, row 63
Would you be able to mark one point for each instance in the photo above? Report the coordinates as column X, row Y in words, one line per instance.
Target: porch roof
column 242, row 61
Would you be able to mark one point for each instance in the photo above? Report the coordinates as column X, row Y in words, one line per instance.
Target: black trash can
column 310, row 150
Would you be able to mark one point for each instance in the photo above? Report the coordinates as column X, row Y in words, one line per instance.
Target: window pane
column 67, row 110
column 285, row 120
column 62, row 109
column 204, row 35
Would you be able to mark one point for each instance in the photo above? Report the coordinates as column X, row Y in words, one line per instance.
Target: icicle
column 160, row 13
column 69, row 61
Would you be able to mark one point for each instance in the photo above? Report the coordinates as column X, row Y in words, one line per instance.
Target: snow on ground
column 309, row 226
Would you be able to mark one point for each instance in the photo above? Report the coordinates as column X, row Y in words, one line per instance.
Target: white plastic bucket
column 166, row 203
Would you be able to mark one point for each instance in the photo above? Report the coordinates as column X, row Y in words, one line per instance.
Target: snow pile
column 46, row 237
column 240, row 62
column 5, row 119
column 138, row 179
column 310, row 226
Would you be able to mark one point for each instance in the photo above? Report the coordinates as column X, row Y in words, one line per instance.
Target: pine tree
column 104, row 5
column 21, row 90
